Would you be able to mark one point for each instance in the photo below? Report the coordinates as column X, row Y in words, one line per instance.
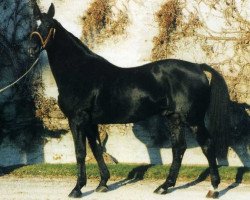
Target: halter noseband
column 52, row 31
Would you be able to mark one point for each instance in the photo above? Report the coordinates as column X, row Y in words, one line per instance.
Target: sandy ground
column 46, row 189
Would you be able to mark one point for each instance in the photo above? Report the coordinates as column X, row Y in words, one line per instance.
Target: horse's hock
column 154, row 30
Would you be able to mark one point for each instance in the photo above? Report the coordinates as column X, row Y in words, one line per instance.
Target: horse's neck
column 68, row 57
column 67, row 45
column 65, row 55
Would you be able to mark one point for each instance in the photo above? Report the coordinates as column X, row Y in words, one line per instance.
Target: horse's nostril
column 33, row 51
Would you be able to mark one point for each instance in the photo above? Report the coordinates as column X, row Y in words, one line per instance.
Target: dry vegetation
column 51, row 115
column 175, row 27
column 99, row 22
column 167, row 18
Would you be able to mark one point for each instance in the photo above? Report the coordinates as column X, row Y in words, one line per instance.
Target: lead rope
column 20, row 78
column 52, row 32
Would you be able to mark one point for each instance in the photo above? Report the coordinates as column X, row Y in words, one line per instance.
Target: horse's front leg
column 96, row 148
column 77, row 126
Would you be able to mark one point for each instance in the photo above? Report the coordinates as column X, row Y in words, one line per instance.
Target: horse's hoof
column 161, row 190
column 102, row 188
column 75, row 194
column 212, row 194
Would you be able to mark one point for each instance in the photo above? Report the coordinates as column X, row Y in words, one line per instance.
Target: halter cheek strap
column 44, row 43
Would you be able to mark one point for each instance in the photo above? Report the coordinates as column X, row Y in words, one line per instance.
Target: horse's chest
column 72, row 101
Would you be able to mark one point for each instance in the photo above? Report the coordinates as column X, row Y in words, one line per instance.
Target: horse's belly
column 120, row 113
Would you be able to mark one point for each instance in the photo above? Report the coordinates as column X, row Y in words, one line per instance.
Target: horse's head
column 44, row 30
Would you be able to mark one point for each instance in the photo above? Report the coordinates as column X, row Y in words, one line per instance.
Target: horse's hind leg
column 178, row 149
column 208, row 149
column 97, row 151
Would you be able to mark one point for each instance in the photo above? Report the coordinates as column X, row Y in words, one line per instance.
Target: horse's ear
column 37, row 12
column 51, row 11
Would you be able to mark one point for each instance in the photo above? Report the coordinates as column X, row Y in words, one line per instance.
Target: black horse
column 93, row 91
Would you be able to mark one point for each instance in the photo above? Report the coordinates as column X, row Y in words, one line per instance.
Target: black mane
column 78, row 43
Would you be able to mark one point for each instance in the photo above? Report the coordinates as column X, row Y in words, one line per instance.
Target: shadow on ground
column 135, row 175
column 138, row 174
column 7, row 170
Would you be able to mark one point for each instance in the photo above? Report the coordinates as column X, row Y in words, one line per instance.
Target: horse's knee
column 183, row 148
column 215, row 180
column 174, row 119
column 81, row 153
column 78, row 120
column 208, row 148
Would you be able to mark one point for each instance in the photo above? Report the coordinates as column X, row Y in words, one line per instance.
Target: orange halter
column 52, row 31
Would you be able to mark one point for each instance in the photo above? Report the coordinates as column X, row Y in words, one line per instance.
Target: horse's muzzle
column 33, row 51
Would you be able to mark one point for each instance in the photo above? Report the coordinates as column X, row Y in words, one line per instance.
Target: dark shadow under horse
column 93, row 91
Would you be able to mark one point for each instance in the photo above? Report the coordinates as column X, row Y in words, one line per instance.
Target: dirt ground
column 46, row 189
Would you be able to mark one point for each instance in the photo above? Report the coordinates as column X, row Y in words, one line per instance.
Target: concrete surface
column 38, row 188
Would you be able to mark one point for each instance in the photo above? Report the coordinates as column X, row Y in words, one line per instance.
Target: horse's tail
column 218, row 111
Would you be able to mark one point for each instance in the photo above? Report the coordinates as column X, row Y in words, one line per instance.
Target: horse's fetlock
column 215, row 181
column 169, row 183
